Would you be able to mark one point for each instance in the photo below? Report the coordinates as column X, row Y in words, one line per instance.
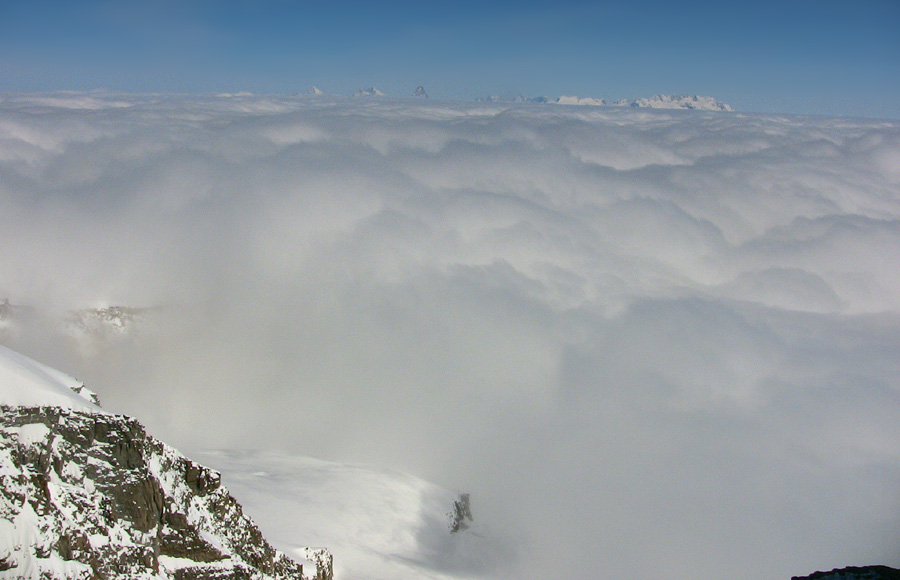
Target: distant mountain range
column 655, row 102
column 694, row 102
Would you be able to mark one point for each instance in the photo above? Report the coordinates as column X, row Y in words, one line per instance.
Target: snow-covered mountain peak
column 591, row 101
column 677, row 102
column 370, row 92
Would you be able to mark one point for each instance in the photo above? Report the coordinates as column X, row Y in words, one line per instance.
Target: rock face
column 91, row 495
column 855, row 573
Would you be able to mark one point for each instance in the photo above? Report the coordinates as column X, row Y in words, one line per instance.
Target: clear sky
column 818, row 57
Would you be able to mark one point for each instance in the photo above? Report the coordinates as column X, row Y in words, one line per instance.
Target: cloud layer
column 651, row 344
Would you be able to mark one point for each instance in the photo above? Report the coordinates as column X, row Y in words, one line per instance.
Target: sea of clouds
column 650, row 344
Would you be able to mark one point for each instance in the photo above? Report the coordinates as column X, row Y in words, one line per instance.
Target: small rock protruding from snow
column 462, row 513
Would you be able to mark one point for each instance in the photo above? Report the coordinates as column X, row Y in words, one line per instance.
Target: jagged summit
column 314, row 91
column 370, row 92
column 420, row 92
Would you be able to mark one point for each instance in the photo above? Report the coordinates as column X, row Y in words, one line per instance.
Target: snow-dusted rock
column 87, row 494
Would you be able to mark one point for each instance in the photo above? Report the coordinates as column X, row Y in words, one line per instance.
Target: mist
column 649, row 343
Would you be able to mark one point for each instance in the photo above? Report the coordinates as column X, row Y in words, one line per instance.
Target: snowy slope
column 26, row 382
column 378, row 523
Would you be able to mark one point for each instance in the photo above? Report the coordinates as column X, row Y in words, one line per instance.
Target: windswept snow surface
column 650, row 343
column 377, row 523
column 26, row 382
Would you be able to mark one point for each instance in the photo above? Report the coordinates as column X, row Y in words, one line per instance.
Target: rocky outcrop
column 461, row 514
column 855, row 573
column 92, row 495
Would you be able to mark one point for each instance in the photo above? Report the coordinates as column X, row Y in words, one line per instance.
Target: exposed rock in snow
column 420, row 92
column 370, row 92
column 461, row 514
column 86, row 494
column 378, row 523
column 112, row 319
column 855, row 573
column 89, row 330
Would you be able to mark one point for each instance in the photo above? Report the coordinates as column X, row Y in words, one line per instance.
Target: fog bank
column 649, row 343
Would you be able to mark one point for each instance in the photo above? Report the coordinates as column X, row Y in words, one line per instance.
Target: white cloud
column 656, row 344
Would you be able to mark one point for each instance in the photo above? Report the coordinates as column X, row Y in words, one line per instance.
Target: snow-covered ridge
column 370, row 92
column 655, row 102
column 26, row 382
column 678, row 102
column 591, row 101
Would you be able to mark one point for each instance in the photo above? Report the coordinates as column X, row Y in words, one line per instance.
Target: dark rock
column 855, row 573
column 462, row 512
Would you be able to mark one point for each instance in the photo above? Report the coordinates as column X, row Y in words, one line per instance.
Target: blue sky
column 791, row 56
